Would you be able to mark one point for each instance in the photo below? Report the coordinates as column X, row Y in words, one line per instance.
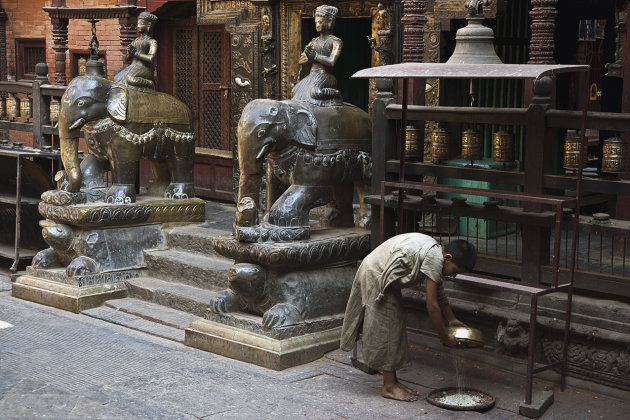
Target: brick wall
column 26, row 19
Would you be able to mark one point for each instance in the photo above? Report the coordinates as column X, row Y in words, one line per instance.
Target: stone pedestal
column 95, row 247
column 286, row 300
column 75, row 294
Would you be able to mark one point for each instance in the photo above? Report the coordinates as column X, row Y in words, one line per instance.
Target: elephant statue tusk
column 241, row 82
column 77, row 123
column 263, row 151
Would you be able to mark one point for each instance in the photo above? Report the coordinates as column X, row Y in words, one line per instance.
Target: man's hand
column 450, row 341
column 309, row 52
column 456, row 323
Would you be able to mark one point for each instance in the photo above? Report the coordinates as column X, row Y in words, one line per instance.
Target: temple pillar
column 542, row 43
column 60, row 46
column 413, row 33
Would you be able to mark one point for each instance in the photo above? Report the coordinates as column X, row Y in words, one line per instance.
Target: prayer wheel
column 614, row 155
column 3, row 108
column 503, row 150
column 26, row 107
column 472, row 145
column 440, row 144
column 55, row 108
column 572, row 152
column 412, row 145
column 13, row 109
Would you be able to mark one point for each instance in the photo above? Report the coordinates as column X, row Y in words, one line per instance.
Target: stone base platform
column 251, row 346
column 53, row 287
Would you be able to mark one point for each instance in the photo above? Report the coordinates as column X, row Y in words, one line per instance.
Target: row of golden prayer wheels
column 613, row 159
column 14, row 107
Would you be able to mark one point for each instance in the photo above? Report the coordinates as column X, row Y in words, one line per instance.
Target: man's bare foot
column 398, row 392
column 413, row 391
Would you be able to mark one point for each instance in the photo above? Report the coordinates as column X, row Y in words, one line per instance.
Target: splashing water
column 460, row 374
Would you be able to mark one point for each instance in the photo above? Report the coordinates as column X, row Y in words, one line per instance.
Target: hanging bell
column 472, row 145
column 474, row 44
column 572, row 152
column 13, row 109
column 26, row 107
column 440, row 144
column 55, row 108
column 614, row 155
column 412, row 145
column 503, row 150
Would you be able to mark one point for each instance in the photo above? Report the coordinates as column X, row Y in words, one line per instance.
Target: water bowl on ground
column 462, row 399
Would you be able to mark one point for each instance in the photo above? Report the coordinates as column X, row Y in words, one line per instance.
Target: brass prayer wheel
column 614, row 155
column 55, row 107
column 13, row 109
column 572, row 152
column 412, row 145
column 3, row 108
column 472, row 145
column 26, row 107
column 503, row 150
column 440, row 144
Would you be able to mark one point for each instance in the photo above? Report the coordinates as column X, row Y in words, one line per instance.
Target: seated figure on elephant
column 141, row 52
column 322, row 53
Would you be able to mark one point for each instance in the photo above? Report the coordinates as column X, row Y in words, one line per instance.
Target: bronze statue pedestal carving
column 286, row 300
column 95, row 246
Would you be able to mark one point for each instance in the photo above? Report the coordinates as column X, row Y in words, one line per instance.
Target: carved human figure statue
column 383, row 19
column 322, row 53
column 141, row 52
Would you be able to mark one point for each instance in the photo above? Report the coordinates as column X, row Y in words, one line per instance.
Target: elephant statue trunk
column 69, row 134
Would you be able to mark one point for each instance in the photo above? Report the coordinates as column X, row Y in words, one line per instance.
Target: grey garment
column 375, row 309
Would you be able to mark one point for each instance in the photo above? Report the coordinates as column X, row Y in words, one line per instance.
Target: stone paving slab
column 56, row 364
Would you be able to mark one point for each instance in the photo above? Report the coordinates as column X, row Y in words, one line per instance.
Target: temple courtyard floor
column 60, row 365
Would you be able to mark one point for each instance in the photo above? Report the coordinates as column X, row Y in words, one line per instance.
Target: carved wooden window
column 185, row 67
column 29, row 52
column 201, row 67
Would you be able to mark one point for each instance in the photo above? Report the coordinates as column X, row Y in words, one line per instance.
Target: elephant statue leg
column 161, row 177
column 123, row 158
column 364, row 216
column 293, row 207
column 338, row 213
column 181, row 167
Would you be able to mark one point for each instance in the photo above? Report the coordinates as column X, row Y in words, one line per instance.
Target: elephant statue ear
column 117, row 104
column 306, row 133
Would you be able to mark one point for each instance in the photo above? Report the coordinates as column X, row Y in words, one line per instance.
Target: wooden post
column 3, row 44
column 41, row 107
column 623, row 201
column 413, row 20
column 383, row 149
column 538, row 160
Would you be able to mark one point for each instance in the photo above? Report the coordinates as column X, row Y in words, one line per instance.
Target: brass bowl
column 467, row 337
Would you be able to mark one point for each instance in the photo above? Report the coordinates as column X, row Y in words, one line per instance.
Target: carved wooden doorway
column 201, row 63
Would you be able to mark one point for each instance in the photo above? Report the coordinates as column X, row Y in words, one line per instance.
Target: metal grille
column 212, row 57
column 212, row 120
column 184, row 67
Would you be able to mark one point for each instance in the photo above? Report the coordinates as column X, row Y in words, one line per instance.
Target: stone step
column 181, row 297
column 190, row 268
column 135, row 322
column 195, row 238
column 153, row 312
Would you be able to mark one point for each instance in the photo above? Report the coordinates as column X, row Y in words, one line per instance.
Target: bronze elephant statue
column 315, row 156
column 122, row 124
